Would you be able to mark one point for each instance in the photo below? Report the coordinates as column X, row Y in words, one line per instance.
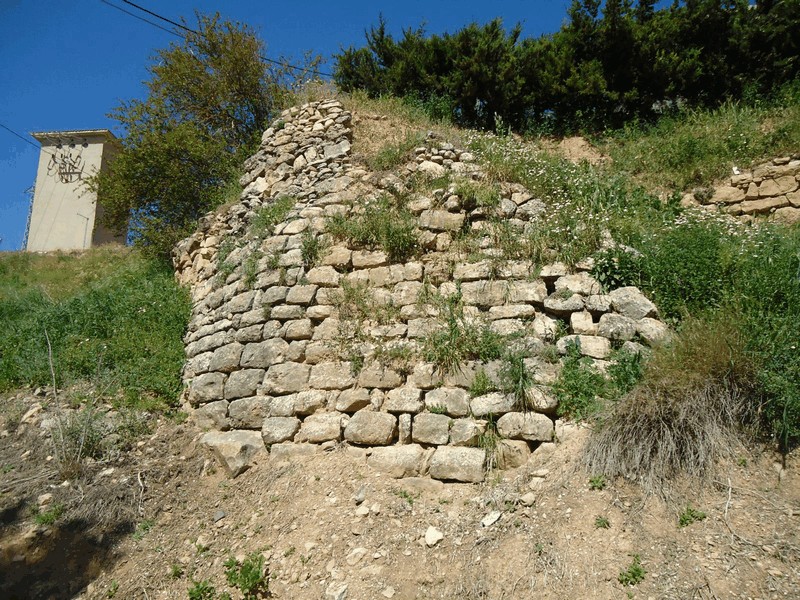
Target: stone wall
column 293, row 352
column 768, row 189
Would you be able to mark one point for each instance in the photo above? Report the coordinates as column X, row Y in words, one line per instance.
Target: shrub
column 689, row 516
column 634, row 573
column 249, row 576
column 579, row 386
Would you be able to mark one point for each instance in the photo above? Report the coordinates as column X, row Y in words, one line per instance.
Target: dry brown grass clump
column 686, row 414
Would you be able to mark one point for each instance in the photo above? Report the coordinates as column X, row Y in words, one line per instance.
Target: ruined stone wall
column 292, row 350
column 770, row 189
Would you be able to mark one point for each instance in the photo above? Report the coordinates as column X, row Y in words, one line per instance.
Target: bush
column 579, row 386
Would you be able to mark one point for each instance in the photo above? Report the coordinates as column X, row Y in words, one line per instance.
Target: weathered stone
column 320, row 427
column 507, row 327
column 541, row 400
column 653, row 332
column 431, row 169
column 406, row 293
column 404, row 428
column 298, row 330
column 377, row 375
column 581, row 323
column 454, row 401
column 441, row 220
column 332, row 376
column 309, row 401
column 553, row 271
column 494, row 403
column 616, row 327
column 264, row 354
column 286, row 378
column 301, row 294
column 352, row 400
column 404, row 400
column 727, row 195
column 207, row 387
column 429, row 428
column 630, row 302
column 371, row 428
column 288, row 451
column 363, row 259
column 563, row 307
column 450, row 463
column 525, row 426
column 226, row 358
column 425, row 376
column 597, row 304
column 589, row 345
column 213, row 415
column 511, row 454
column 787, row 215
column 578, row 283
column 777, row 187
column 471, row 271
column 234, row 449
column 325, row 276
column 248, row 413
column 765, row 205
column 544, row 327
column 466, row 432
column 400, row 461
column 512, row 311
column 279, row 429
column 485, row 293
column 243, row 383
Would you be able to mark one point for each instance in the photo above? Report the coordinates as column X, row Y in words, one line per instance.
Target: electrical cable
column 135, row 16
column 24, row 139
column 283, row 64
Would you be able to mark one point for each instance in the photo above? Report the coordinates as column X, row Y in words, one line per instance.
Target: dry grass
column 684, row 416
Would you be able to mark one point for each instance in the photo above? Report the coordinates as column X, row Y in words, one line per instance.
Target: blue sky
column 65, row 65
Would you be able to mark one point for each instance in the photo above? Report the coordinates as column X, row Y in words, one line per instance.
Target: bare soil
column 163, row 515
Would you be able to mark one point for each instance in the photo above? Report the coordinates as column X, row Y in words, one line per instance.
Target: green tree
column 208, row 100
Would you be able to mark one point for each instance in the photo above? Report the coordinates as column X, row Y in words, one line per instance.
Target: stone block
column 336, row 256
column 616, row 327
column 563, row 307
column 213, row 415
column 581, row 323
column 511, row 454
column 364, row 259
column 425, row 376
column 452, row 463
column 597, row 304
column 377, row 375
column 264, row 354
column 286, row 378
column 352, row 400
column 332, row 376
column 243, row 383
column 540, row 399
column 454, row 401
column 404, row 400
column 248, row 413
column 320, row 427
column 429, row 428
column 371, row 428
column 226, row 358
column 235, row 450
column 406, row 293
column 528, row 426
column 631, row 302
column 287, row 312
column 279, row 429
column 325, row 276
column 298, row 330
column 400, row 461
column 466, row 432
column 309, row 401
column 485, row 293
column 590, row 345
column 653, row 332
column 471, row 271
column 578, row 283
column 512, row 311
column 727, row 195
column 494, row 403
column 206, row 388
column 765, row 205
column 507, row 327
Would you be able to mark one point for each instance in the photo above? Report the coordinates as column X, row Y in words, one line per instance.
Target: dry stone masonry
column 300, row 340
column 772, row 189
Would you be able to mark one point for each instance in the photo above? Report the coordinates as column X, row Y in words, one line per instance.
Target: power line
column 284, row 64
column 24, row 139
column 135, row 16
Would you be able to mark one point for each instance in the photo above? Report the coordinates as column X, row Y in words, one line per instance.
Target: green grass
column 49, row 516
column 634, row 574
column 690, row 515
column 696, row 147
column 120, row 329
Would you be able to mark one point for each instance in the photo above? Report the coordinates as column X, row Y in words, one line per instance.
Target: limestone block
column 285, row 312
column 282, row 406
column 419, row 328
column 752, row 191
column 406, row 293
column 787, row 215
column 485, row 293
column 563, row 307
column 274, row 295
column 248, row 413
column 352, row 400
column 404, row 428
column 431, row 169
column 553, row 271
column 286, row 378
column 529, row 426
column 616, row 327
column 325, row 276
column 400, row 461
column 424, row 376
column 213, row 415
column 404, row 400
column 332, row 376
column 265, row 354
column 544, row 327
column 301, row 329
column 631, row 302
column 653, row 332
column 472, row 271
column 466, row 432
column 451, row 463
column 243, row 383
column 512, row 311
column 506, row 327
column 292, row 258
column 301, row 294
column 590, row 345
column 540, row 399
column 226, row 358
column 371, row 428
column 794, row 199
column 578, row 283
column 597, row 304
column 206, row 388
column 234, row 449
column 511, row 454
column 777, row 187
column 363, row 259
column 327, row 330
column 429, row 428
column 455, row 401
column 581, row 323
column 494, row 403
column 279, row 429
column 240, row 303
column 441, row 220
column 309, row 401
column 320, row 427
column 254, row 333
column 336, row 256
column 765, row 205
column 727, row 195
column 377, row 375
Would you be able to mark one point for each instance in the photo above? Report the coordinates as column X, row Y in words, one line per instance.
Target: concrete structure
column 65, row 213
